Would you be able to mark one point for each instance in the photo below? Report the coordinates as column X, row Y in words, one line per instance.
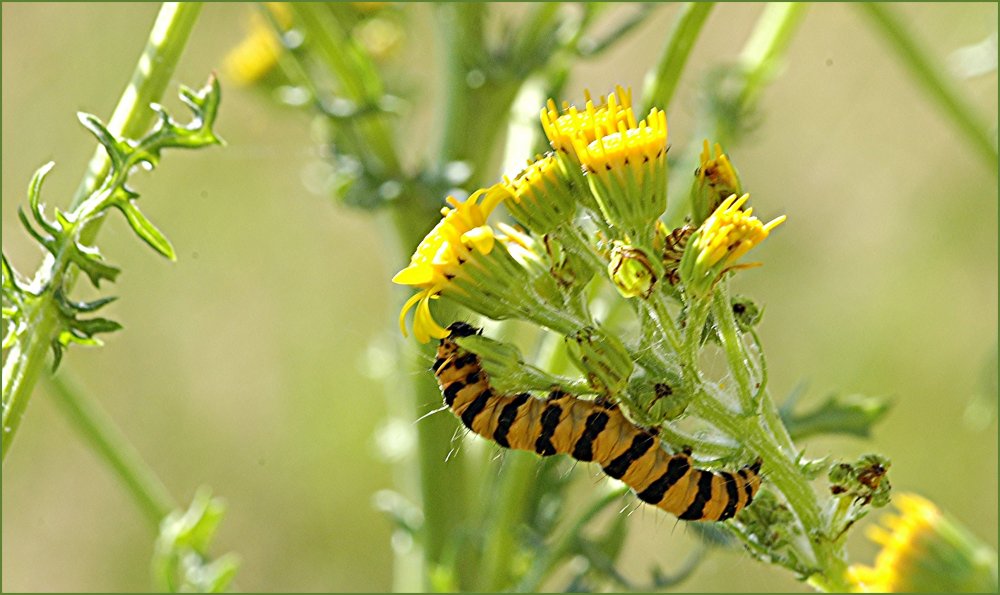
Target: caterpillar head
column 462, row 329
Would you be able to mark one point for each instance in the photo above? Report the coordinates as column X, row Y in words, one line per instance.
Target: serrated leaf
column 146, row 230
column 90, row 306
column 92, row 264
column 839, row 414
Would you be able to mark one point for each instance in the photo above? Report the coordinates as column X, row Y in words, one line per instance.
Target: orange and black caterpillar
column 588, row 431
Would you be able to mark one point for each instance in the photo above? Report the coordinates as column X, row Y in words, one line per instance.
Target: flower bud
column 652, row 403
column 633, row 273
column 627, row 172
column 602, row 358
column 540, row 195
column 715, row 180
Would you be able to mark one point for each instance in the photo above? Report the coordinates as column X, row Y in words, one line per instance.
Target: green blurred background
column 251, row 364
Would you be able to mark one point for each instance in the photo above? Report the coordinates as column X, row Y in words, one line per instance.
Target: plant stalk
column 103, row 436
column 933, row 80
column 153, row 72
column 662, row 83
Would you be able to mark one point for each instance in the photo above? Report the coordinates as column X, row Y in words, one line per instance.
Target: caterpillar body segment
column 588, row 431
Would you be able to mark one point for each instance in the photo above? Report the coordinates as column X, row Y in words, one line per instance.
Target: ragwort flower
column 725, row 237
column 442, row 252
column 924, row 550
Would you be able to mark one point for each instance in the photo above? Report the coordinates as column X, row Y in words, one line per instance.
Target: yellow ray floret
column 924, row 550
column 436, row 260
column 729, row 233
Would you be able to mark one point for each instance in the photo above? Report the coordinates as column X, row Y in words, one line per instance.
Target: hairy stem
column 103, row 436
column 733, row 346
column 156, row 65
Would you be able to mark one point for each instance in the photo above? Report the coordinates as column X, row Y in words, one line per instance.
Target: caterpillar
column 588, row 431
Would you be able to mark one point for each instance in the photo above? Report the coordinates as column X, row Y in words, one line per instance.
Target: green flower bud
column 715, row 180
column 602, row 358
column 632, row 271
column 508, row 371
column 653, row 403
column 571, row 269
column 864, row 481
column 746, row 312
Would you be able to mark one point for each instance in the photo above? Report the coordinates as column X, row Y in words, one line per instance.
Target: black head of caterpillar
column 588, row 431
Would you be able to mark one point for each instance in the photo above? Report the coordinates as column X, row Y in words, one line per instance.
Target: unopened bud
column 632, row 271
column 602, row 358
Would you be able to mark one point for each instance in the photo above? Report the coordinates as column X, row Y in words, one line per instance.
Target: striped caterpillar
column 588, row 431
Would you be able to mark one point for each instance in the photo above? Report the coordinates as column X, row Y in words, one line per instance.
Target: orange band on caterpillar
column 588, row 431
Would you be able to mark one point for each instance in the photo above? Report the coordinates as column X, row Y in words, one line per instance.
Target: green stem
column 359, row 81
column 662, row 83
column 934, row 81
column 26, row 359
column 132, row 116
column 733, row 346
column 502, row 541
column 767, row 44
column 103, row 436
column 759, row 59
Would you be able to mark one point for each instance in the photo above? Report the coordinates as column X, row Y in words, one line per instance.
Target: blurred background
column 248, row 365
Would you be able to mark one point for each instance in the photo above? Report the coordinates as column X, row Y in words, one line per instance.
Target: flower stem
column 732, row 345
column 502, row 534
column 156, row 66
column 934, row 81
column 104, row 437
column 132, row 115
column 662, row 83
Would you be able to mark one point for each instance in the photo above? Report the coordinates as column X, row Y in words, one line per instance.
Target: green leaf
column 180, row 557
column 34, row 198
column 839, row 414
column 112, row 145
column 146, row 230
column 91, row 262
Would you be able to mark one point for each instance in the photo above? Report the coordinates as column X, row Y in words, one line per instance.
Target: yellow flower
column 436, row 261
column 627, row 174
column 540, row 195
column 563, row 129
column 722, row 239
column 258, row 53
column 924, row 550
